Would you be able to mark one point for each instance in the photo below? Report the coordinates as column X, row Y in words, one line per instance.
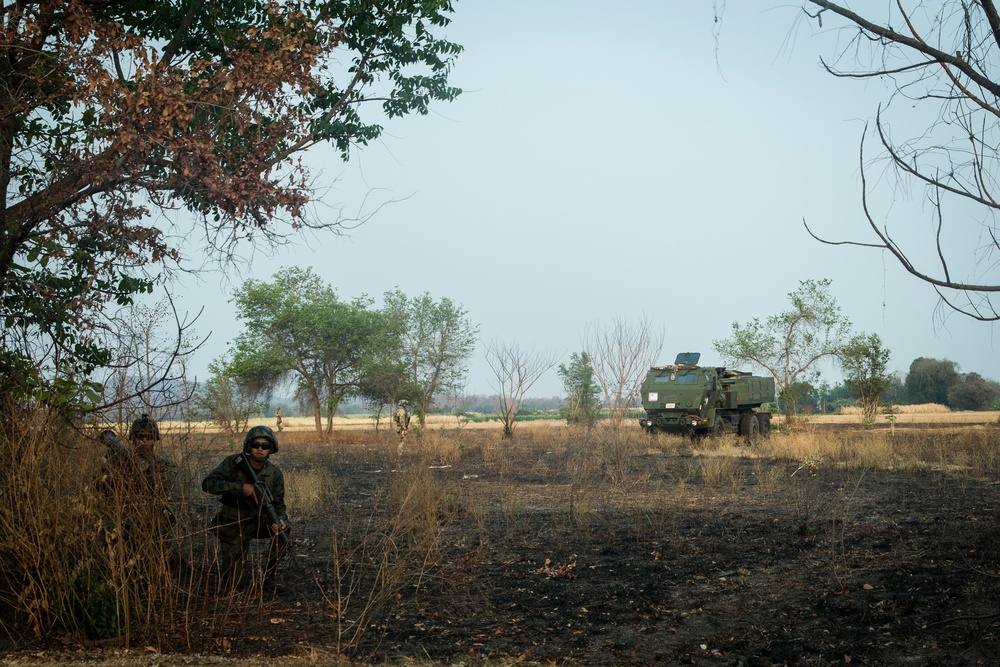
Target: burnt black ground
column 653, row 561
column 828, row 566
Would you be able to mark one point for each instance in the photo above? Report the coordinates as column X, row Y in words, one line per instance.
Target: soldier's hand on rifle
column 276, row 529
column 250, row 491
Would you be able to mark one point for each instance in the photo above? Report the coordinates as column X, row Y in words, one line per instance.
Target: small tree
column 437, row 340
column 229, row 402
column 583, row 393
column 297, row 330
column 789, row 344
column 515, row 371
column 865, row 360
column 622, row 353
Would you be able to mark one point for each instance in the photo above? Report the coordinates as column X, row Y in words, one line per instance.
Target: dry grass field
column 907, row 414
column 828, row 544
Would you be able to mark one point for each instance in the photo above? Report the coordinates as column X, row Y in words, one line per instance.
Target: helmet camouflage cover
column 260, row 432
column 144, row 428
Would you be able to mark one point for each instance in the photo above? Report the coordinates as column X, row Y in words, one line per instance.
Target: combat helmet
column 144, row 428
column 260, row 432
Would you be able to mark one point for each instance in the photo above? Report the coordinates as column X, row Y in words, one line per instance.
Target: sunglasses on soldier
column 265, row 445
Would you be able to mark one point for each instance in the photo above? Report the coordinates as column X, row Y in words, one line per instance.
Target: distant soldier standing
column 241, row 519
column 277, row 419
column 402, row 421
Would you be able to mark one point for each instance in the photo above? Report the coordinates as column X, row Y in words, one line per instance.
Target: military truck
column 686, row 398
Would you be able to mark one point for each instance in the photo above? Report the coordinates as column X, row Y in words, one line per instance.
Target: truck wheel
column 719, row 428
column 750, row 427
column 765, row 426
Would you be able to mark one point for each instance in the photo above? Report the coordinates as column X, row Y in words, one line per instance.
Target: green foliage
column 437, row 340
column 116, row 111
column 297, row 330
column 929, row 380
column 865, row 360
column 228, row 398
column 802, row 394
column 891, row 413
column 384, row 384
column 97, row 609
column 583, row 392
column 972, row 391
column 788, row 345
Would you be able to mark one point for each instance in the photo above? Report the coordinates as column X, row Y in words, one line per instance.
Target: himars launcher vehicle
column 702, row 400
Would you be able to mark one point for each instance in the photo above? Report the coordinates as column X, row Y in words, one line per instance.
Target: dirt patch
column 640, row 556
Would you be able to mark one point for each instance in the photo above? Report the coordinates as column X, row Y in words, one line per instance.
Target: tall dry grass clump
column 84, row 547
column 388, row 554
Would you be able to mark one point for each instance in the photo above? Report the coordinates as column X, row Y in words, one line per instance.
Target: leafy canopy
column 296, row 329
column 928, row 380
column 789, row 344
column 114, row 112
column 437, row 340
column 583, row 393
column 865, row 360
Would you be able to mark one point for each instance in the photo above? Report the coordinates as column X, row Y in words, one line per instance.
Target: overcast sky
column 619, row 161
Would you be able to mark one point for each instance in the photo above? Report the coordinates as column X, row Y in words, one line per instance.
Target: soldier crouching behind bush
column 242, row 517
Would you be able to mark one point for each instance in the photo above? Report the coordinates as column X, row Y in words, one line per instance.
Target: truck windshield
column 687, row 379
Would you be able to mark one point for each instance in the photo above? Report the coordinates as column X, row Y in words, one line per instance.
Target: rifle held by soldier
column 263, row 497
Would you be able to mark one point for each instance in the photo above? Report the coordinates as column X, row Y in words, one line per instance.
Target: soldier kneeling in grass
column 252, row 492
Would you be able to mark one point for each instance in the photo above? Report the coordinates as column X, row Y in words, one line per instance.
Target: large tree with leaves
column 929, row 380
column 936, row 128
column 789, row 345
column 298, row 330
column 973, row 392
column 114, row 112
column 438, row 339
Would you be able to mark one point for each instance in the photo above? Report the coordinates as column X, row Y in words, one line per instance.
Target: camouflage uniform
column 402, row 421
column 139, row 490
column 240, row 519
column 277, row 419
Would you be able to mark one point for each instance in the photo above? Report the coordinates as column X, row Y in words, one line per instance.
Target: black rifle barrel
column 264, row 499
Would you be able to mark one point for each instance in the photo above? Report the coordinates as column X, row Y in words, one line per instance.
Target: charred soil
column 617, row 553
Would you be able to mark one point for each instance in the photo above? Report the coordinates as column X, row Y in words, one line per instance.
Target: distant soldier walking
column 402, row 421
column 277, row 419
